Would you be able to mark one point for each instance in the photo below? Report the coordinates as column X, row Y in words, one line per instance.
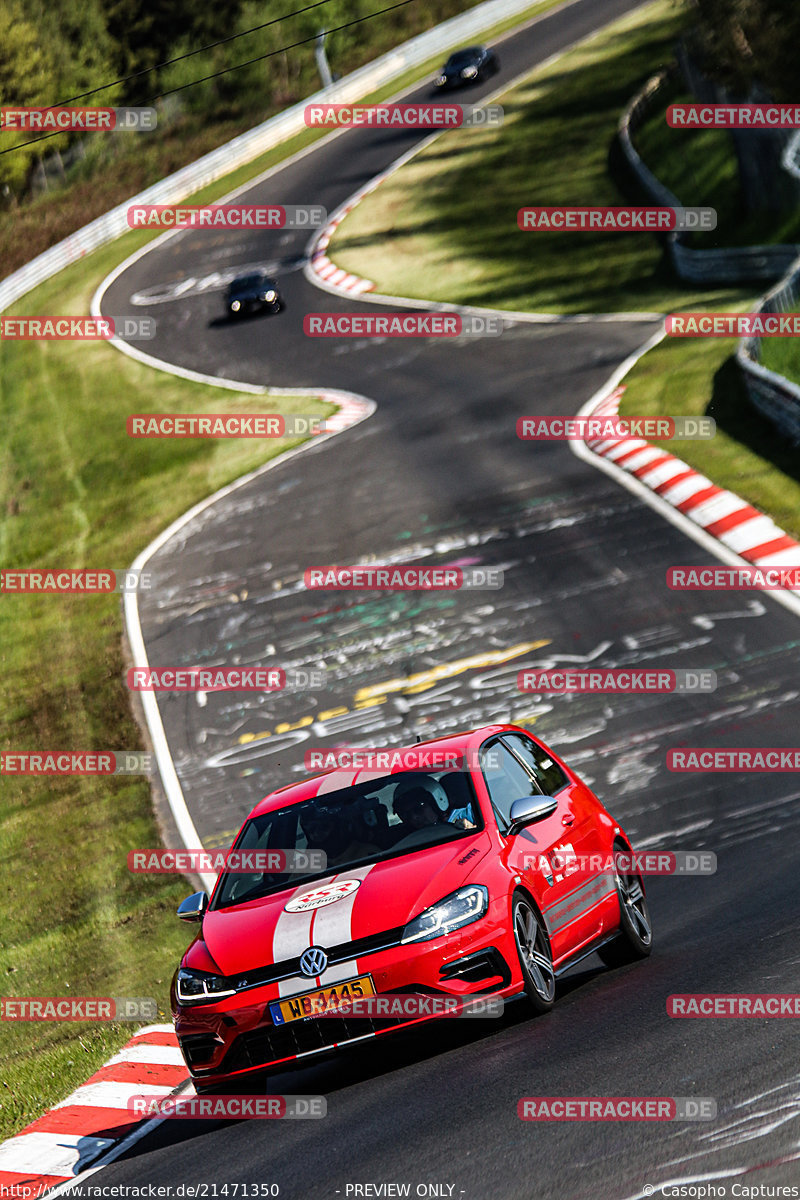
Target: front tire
column 635, row 938
column 535, row 955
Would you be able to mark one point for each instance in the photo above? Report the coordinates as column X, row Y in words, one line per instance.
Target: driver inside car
column 437, row 799
column 417, row 808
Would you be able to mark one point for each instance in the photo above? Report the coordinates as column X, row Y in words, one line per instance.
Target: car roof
column 307, row 789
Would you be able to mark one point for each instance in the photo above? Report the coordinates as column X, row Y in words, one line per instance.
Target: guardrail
column 247, row 146
column 775, row 397
column 721, row 264
column 790, row 159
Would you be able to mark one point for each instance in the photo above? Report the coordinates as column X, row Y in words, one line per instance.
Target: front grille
column 198, row 1048
column 271, row 1042
column 290, row 967
column 482, row 965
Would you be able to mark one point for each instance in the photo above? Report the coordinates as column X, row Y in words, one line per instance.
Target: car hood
column 367, row 900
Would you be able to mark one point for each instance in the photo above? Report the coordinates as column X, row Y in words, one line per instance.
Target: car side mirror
column 529, row 809
column 193, row 908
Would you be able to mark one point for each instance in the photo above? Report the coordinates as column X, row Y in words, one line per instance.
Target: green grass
column 77, row 492
column 444, row 227
column 782, row 354
column 700, row 377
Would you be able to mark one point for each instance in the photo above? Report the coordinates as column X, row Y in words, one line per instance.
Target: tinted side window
column 548, row 774
column 506, row 779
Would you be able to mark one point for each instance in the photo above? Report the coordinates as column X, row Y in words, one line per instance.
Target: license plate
column 312, row 1004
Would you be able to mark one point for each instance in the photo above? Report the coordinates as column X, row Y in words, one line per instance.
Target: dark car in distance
column 252, row 292
column 472, row 65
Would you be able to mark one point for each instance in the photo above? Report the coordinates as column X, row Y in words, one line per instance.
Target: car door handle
column 568, row 819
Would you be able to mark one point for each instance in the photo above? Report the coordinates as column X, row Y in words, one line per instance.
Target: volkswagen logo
column 313, row 961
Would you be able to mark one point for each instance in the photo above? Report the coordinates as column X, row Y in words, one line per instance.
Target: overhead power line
column 225, row 70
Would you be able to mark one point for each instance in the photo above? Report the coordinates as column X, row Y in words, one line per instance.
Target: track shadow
column 735, row 415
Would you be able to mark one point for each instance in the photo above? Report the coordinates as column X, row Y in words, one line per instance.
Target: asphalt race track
column 437, row 475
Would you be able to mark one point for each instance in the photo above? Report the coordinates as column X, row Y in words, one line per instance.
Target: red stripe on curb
column 746, row 513
column 628, row 453
column 774, row 547
column 668, row 483
column 653, row 464
column 706, row 493
column 90, row 1120
column 167, row 1074
column 157, row 1038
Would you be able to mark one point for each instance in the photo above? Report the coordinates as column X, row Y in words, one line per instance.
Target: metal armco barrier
column 775, row 397
column 724, row 264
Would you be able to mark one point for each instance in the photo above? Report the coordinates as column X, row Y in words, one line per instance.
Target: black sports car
column 472, row 65
column 251, row 293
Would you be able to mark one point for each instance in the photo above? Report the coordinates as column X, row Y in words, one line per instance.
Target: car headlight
column 199, row 987
column 270, row 295
column 469, row 72
column 463, row 907
column 235, row 306
column 440, row 80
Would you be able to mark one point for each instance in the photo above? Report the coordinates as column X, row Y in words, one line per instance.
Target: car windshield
column 245, row 282
column 380, row 819
column 462, row 58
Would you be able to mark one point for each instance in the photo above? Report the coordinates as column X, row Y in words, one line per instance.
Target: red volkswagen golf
column 489, row 879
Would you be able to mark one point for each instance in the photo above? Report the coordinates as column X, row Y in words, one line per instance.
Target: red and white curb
column 352, row 409
column 328, row 271
column 70, row 1137
column 721, row 514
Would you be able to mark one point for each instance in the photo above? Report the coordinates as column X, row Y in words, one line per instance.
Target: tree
column 747, row 42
